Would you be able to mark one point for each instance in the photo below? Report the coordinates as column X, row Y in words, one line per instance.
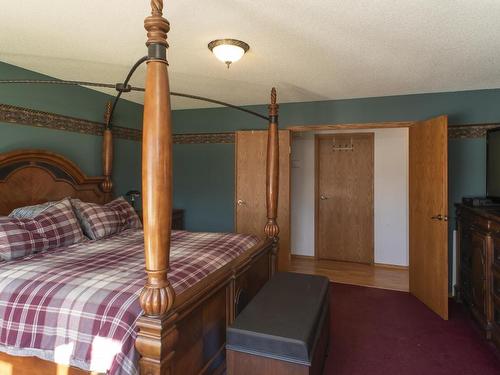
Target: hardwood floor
column 375, row 276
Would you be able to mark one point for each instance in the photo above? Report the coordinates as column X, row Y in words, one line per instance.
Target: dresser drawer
column 475, row 222
column 495, row 300
column 496, row 250
column 495, row 324
column 466, row 287
column 465, row 248
column 478, row 272
column 495, row 285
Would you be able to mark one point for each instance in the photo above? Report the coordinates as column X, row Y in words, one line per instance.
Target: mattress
column 78, row 305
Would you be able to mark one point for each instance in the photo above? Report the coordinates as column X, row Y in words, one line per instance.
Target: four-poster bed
column 178, row 333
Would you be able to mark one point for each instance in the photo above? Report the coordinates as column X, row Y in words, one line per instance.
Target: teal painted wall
column 203, row 176
column 466, row 169
column 85, row 150
column 466, row 159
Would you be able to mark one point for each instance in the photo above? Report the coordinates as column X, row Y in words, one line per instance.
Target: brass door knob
column 440, row 217
column 323, row 198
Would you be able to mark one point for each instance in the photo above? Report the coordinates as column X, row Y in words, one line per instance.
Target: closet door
column 429, row 213
column 250, row 205
column 345, row 197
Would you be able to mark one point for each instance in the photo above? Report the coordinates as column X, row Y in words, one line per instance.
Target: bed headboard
column 34, row 176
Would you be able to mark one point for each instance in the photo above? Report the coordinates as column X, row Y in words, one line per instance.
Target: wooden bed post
column 157, row 334
column 107, row 154
column 272, row 178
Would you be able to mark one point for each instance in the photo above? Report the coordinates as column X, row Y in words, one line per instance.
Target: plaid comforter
column 78, row 305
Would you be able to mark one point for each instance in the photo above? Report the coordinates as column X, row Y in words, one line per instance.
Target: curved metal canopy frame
column 125, row 87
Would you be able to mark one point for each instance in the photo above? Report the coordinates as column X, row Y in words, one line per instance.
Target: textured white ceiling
column 311, row 50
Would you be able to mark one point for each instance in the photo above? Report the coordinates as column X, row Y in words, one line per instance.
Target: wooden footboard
column 196, row 328
column 194, row 334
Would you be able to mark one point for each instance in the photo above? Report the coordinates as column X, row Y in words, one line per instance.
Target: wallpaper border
column 31, row 117
column 469, row 131
column 40, row 119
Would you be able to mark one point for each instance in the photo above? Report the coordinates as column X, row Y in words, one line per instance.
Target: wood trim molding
column 306, row 257
column 370, row 125
column 390, row 266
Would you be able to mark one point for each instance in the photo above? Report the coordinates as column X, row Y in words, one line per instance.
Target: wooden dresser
column 478, row 266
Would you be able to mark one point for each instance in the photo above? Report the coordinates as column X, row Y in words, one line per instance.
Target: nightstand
column 177, row 218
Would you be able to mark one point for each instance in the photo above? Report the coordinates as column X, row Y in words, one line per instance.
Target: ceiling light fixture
column 228, row 50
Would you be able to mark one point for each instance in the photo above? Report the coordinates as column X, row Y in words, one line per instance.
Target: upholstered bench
column 283, row 330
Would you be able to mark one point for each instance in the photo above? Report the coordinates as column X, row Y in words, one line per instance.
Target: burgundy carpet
column 376, row 331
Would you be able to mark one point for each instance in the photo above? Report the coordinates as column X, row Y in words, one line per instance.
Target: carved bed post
column 157, row 334
column 272, row 177
column 107, row 154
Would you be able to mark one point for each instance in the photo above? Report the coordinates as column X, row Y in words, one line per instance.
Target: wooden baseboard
column 393, row 266
column 307, row 257
column 379, row 265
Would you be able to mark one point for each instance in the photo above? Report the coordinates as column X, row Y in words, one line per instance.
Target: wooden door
column 250, row 205
column 344, row 197
column 429, row 213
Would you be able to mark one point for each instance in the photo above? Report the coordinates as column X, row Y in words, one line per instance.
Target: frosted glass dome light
column 228, row 50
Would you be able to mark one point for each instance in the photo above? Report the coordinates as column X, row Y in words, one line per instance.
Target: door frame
column 353, row 126
column 317, row 138
column 357, row 126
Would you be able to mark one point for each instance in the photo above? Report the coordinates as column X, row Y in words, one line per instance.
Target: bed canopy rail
column 122, row 88
column 125, row 87
column 157, row 332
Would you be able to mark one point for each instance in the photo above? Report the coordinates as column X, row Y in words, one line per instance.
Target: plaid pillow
column 29, row 212
column 55, row 227
column 99, row 221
